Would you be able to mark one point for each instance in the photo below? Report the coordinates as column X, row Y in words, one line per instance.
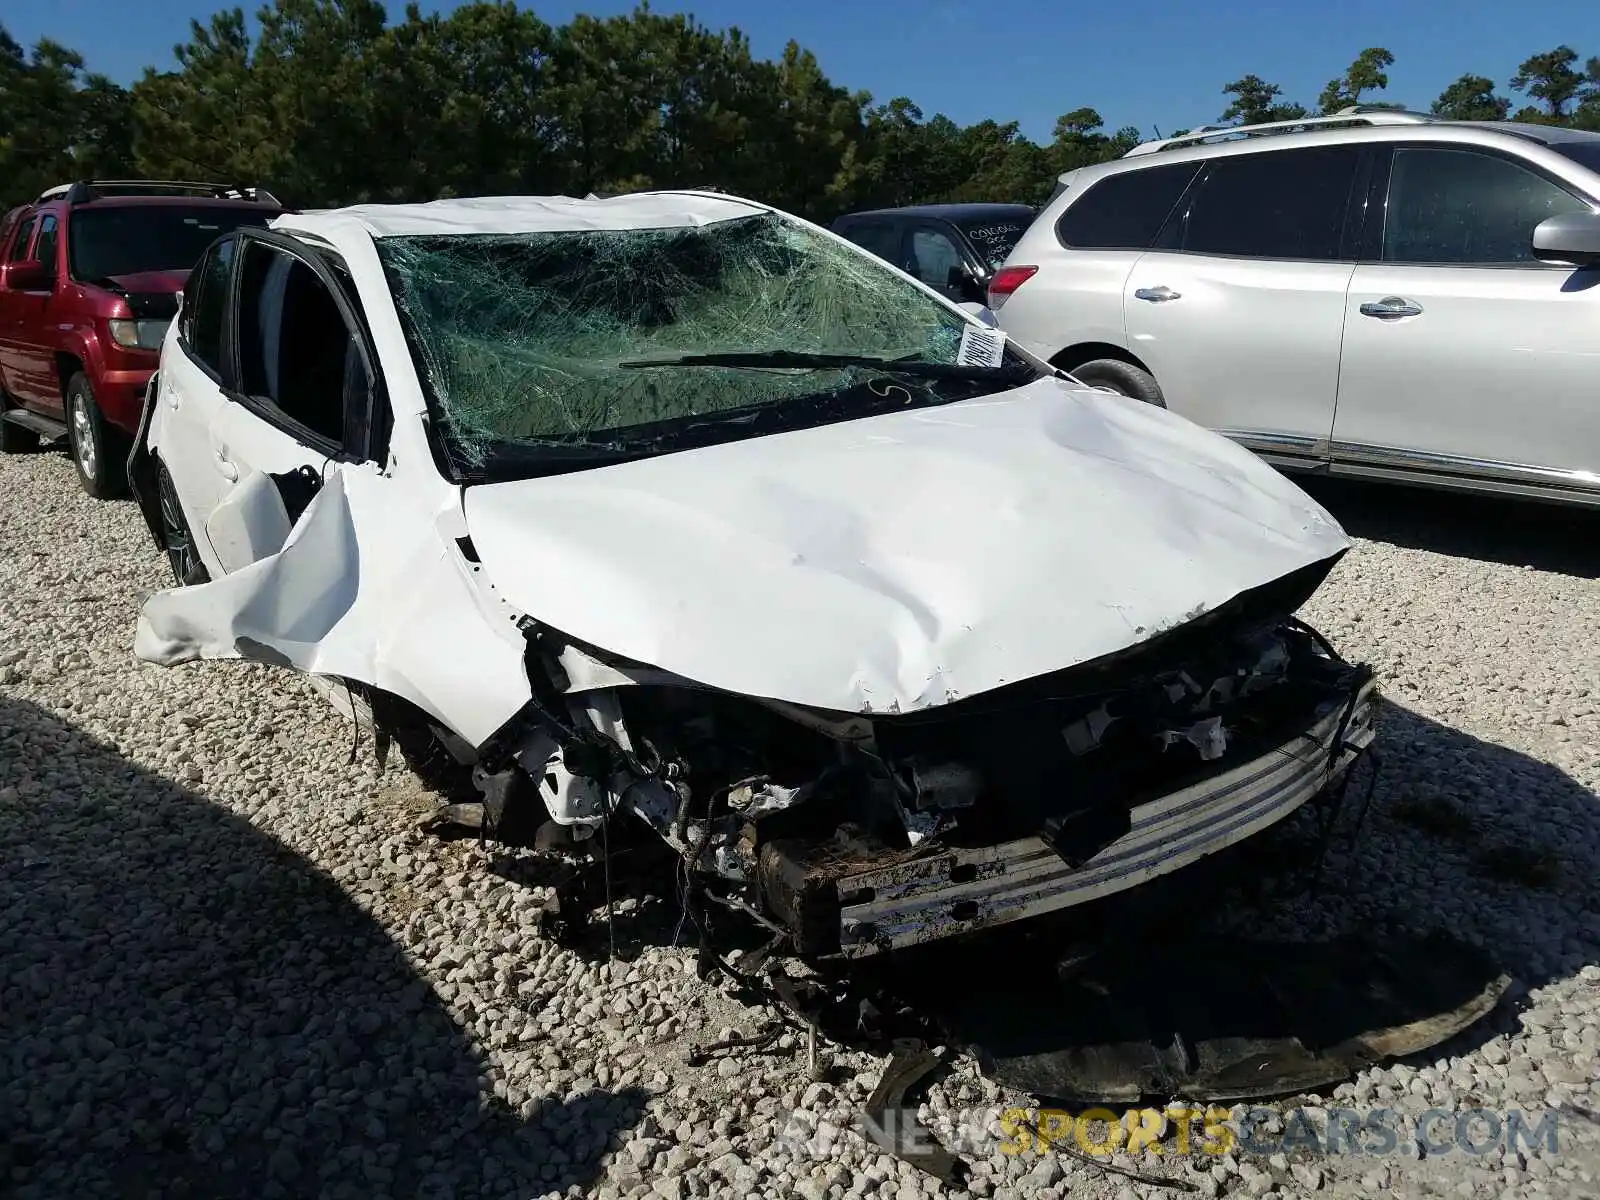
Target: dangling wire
column 605, row 851
column 355, row 720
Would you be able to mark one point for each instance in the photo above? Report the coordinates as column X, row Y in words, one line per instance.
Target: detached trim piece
column 914, row 902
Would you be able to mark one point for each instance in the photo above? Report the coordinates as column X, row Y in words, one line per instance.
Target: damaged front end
column 853, row 834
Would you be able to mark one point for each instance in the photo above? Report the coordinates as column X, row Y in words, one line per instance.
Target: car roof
column 949, row 212
column 164, row 202
column 1327, row 132
column 527, row 214
column 1550, row 135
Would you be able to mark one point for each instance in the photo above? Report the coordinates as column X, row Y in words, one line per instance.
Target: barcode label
column 981, row 347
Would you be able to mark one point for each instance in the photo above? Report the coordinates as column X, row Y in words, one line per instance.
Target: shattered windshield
column 557, row 350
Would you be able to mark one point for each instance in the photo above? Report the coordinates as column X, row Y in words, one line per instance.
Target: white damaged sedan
column 675, row 515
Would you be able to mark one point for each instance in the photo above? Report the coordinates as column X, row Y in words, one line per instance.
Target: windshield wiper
column 793, row 358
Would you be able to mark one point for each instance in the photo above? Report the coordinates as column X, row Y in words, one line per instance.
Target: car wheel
column 185, row 561
column 97, row 448
column 1123, row 378
column 15, row 439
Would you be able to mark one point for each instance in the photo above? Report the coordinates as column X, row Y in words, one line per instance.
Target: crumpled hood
column 902, row 561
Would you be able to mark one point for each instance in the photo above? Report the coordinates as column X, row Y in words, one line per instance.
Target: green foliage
column 1471, row 98
column 1550, row 79
column 1255, row 102
column 1369, row 73
column 331, row 102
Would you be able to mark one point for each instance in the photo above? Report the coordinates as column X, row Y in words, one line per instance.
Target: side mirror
column 966, row 285
column 26, row 277
column 1570, row 238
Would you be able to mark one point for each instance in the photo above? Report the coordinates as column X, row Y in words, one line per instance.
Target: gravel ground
column 229, row 965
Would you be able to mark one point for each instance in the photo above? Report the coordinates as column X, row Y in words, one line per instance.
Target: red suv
column 90, row 277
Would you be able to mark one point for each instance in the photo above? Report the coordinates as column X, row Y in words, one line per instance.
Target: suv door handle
column 225, row 465
column 1157, row 294
column 1390, row 308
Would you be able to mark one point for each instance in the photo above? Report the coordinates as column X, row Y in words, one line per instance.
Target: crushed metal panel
column 250, row 524
column 898, row 899
column 890, row 1120
column 364, row 588
column 1219, row 1020
column 903, row 561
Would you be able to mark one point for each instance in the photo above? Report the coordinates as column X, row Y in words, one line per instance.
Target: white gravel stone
column 229, row 965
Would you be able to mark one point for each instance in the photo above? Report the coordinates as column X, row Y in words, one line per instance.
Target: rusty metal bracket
column 892, row 1125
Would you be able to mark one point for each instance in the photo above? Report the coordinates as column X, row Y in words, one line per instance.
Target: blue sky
column 1139, row 62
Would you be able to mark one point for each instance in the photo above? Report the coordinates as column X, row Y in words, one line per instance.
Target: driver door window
column 1460, row 207
column 299, row 363
column 19, row 248
column 934, row 254
column 46, row 251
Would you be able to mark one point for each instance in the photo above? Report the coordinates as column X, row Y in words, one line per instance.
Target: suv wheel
column 15, row 439
column 1124, row 379
column 97, row 448
column 175, row 536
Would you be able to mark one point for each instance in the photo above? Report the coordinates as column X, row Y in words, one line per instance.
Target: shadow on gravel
column 189, row 1008
column 1548, row 537
column 1476, row 840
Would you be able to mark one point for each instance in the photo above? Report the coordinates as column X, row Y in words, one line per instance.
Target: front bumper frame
column 961, row 891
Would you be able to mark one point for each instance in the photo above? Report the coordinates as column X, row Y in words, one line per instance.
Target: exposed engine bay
column 851, row 834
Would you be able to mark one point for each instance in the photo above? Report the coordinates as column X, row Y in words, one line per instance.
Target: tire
column 1123, row 378
column 176, row 537
column 15, row 439
column 98, row 449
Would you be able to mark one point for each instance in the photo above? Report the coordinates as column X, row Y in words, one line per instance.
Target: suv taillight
column 1007, row 280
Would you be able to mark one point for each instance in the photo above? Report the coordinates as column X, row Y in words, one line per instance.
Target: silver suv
column 1376, row 293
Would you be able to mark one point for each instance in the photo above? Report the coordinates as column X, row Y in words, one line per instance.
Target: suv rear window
column 1125, row 211
column 130, row 239
column 995, row 237
column 1288, row 204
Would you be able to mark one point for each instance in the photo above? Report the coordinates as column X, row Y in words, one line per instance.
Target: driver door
column 1462, row 352
column 302, row 396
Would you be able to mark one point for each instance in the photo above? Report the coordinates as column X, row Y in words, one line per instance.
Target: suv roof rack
column 1353, row 115
column 85, row 190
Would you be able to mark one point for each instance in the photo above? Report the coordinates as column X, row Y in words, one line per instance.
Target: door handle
column 1157, row 295
column 225, row 465
column 1390, row 308
column 171, row 394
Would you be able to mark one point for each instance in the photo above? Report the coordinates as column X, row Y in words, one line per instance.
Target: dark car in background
column 953, row 248
column 90, row 277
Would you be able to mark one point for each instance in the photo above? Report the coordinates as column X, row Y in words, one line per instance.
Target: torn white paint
column 365, row 588
column 902, row 561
